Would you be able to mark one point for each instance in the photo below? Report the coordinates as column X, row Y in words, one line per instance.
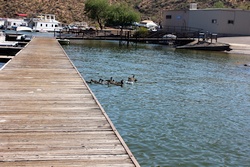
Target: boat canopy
column 22, row 14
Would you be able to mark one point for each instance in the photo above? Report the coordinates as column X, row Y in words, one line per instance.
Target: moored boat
column 5, row 43
column 9, row 48
column 206, row 46
column 23, row 29
column 45, row 22
column 64, row 41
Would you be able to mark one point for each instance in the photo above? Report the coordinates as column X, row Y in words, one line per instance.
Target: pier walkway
column 49, row 116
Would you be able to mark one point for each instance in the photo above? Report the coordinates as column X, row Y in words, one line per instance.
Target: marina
column 108, row 84
column 50, row 117
column 173, row 89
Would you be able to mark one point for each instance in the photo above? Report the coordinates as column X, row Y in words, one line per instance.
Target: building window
column 230, row 22
column 168, row 16
column 214, row 21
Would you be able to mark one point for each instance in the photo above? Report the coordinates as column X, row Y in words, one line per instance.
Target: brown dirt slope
column 68, row 11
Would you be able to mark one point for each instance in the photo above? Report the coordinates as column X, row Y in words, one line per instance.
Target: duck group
column 106, row 82
column 111, row 81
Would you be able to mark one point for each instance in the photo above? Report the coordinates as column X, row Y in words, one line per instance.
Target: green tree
column 122, row 15
column 97, row 10
column 219, row 4
column 141, row 32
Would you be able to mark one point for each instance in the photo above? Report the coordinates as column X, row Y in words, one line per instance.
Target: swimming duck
column 119, row 83
column 110, row 80
column 103, row 82
column 96, row 82
column 89, row 82
column 132, row 79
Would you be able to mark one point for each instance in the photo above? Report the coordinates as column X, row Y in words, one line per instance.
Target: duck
column 132, row 79
column 129, row 82
column 89, row 82
column 96, row 82
column 111, row 80
column 103, row 82
column 121, row 83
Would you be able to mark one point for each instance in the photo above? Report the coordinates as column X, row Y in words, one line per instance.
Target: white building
column 45, row 22
column 219, row 21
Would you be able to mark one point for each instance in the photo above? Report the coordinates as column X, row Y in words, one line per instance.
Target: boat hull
column 64, row 41
column 207, row 46
column 24, row 29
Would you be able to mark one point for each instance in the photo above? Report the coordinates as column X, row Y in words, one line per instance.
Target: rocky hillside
column 65, row 10
column 68, row 11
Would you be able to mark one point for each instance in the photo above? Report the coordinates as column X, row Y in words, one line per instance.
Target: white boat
column 12, row 24
column 3, row 42
column 24, row 29
column 149, row 24
column 45, row 23
column 43, row 31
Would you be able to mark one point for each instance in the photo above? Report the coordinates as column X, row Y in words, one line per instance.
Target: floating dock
column 49, row 116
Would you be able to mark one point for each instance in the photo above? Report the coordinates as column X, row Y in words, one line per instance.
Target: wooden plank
column 49, row 116
column 86, row 161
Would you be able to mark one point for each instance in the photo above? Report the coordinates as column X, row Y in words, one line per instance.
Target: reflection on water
column 187, row 109
column 1, row 64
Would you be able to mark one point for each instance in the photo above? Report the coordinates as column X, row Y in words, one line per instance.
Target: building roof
column 211, row 9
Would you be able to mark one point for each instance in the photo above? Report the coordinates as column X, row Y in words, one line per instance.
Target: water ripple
column 187, row 109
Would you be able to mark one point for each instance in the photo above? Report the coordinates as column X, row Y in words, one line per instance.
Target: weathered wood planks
column 49, row 117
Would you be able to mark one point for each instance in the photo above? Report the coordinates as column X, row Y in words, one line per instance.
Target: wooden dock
column 49, row 116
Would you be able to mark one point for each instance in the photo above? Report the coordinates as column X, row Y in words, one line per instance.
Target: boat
column 204, row 45
column 23, row 38
column 23, row 29
column 43, row 31
column 5, row 43
column 45, row 23
column 9, row 48
column 64, row 41
column 149, row 24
